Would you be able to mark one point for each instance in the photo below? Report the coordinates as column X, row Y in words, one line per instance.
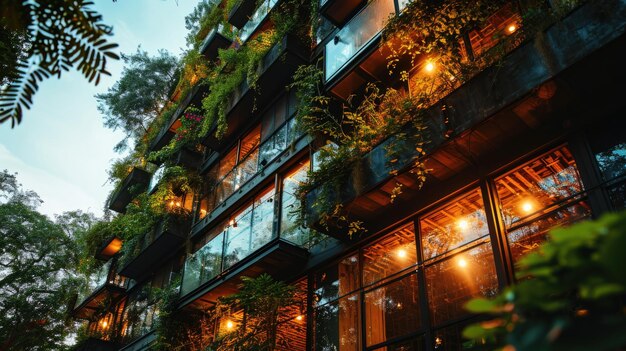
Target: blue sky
column 61, row 150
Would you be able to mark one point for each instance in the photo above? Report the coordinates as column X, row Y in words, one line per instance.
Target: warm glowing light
column 462, row 263
column 511, row 29
column 172, row 203
column 178, row 204
column 399, row 305
column 232, row 223
column 527, row 206
column 202, row 212
column 429, row 67
column 104, row 324
column 438, row 341
column 463, row 224
column 299, row 317
column 402, row 253
column 230, row 325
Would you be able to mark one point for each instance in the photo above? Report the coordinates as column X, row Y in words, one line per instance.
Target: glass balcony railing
column 257, row 17
column 356, row 34
column 249, row 231
column 250, row 165
column 103, row 276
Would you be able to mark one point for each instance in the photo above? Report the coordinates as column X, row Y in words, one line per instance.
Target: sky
column 61, row 150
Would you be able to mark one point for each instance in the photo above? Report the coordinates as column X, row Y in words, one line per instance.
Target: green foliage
column 138, row 97
column 37, row 279
column 262, row 301
column 56, row 35
column 570, row 296
column 351, row 133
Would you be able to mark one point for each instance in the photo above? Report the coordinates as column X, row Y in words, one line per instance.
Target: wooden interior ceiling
column 384, row 256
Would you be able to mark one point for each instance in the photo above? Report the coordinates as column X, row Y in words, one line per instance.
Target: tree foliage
column 571, row 294
column 138, row 97
column 37, row 281
column 45, row 38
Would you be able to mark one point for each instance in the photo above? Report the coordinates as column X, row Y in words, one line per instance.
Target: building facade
column 532, row 141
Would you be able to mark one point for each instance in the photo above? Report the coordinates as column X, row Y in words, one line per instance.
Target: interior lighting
column 230, row 325
column 299, row 317
column 429, row 67
column 527, row 206
column 402, row 253
column 178, row 204
column 233, row 223
column 462, row 263
column 104, row 324
column 463, row 224
column 511, row 28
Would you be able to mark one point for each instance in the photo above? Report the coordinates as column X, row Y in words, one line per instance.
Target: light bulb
column 463, row 224
column 104, row 324
column 527, row 207
column 429, row 67
column 229, row 325
column 511, row 29
column 402, row 253
column 462, row 263
column 299, row 317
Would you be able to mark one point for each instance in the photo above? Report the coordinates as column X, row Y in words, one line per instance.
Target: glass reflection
column 390, row 255
column 457, row 223
column 452, row 282
column 337, row 325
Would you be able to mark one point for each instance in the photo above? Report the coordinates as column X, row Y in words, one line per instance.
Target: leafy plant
column 51, row 36
column 570, row 294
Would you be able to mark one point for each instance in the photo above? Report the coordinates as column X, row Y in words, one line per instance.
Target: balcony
column 109, row 248
column 274, row 73
column 249, row 246
column 133, row 184
column 218, row 38
column 338, row 11
column 511, row 109
column 240, row 13
column 257, row 18
column 187, row 158
column 157, row 245
column 105, row 285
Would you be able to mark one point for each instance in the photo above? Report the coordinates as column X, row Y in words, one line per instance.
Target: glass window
column 454, row 281
column 290, row 206
column 337, row 280
column 390, row 255
column 537, row 185
column 609, row 148
column 531, row 194
column 457, row 223
column 392, row 310
column 249, row 143
column 227, row 163
column 451, row 338
column 337, row 325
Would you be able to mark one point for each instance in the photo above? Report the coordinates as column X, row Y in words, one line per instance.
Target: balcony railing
column 218, row 38
column 105, row 280
column 124, row 194
column 252, row 163
column 256, row 19
column 356, row 34
column 251, row 231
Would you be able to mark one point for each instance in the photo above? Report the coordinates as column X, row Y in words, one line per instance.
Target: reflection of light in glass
column 232, row 223
column 463, row 224
column 438, row 342
column 299, row 317
column 462, row 263
column 402, row 253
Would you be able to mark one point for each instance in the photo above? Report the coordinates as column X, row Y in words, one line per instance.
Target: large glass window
column 453, row 225
column 392, row 310
column 538, row 196
column 458, row 232
column 455, row 280
column 411, row 345
column 337, row 325
column 337, row 280
column 392, row 254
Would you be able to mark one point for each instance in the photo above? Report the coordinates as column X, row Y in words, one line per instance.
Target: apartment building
column 530, row 142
